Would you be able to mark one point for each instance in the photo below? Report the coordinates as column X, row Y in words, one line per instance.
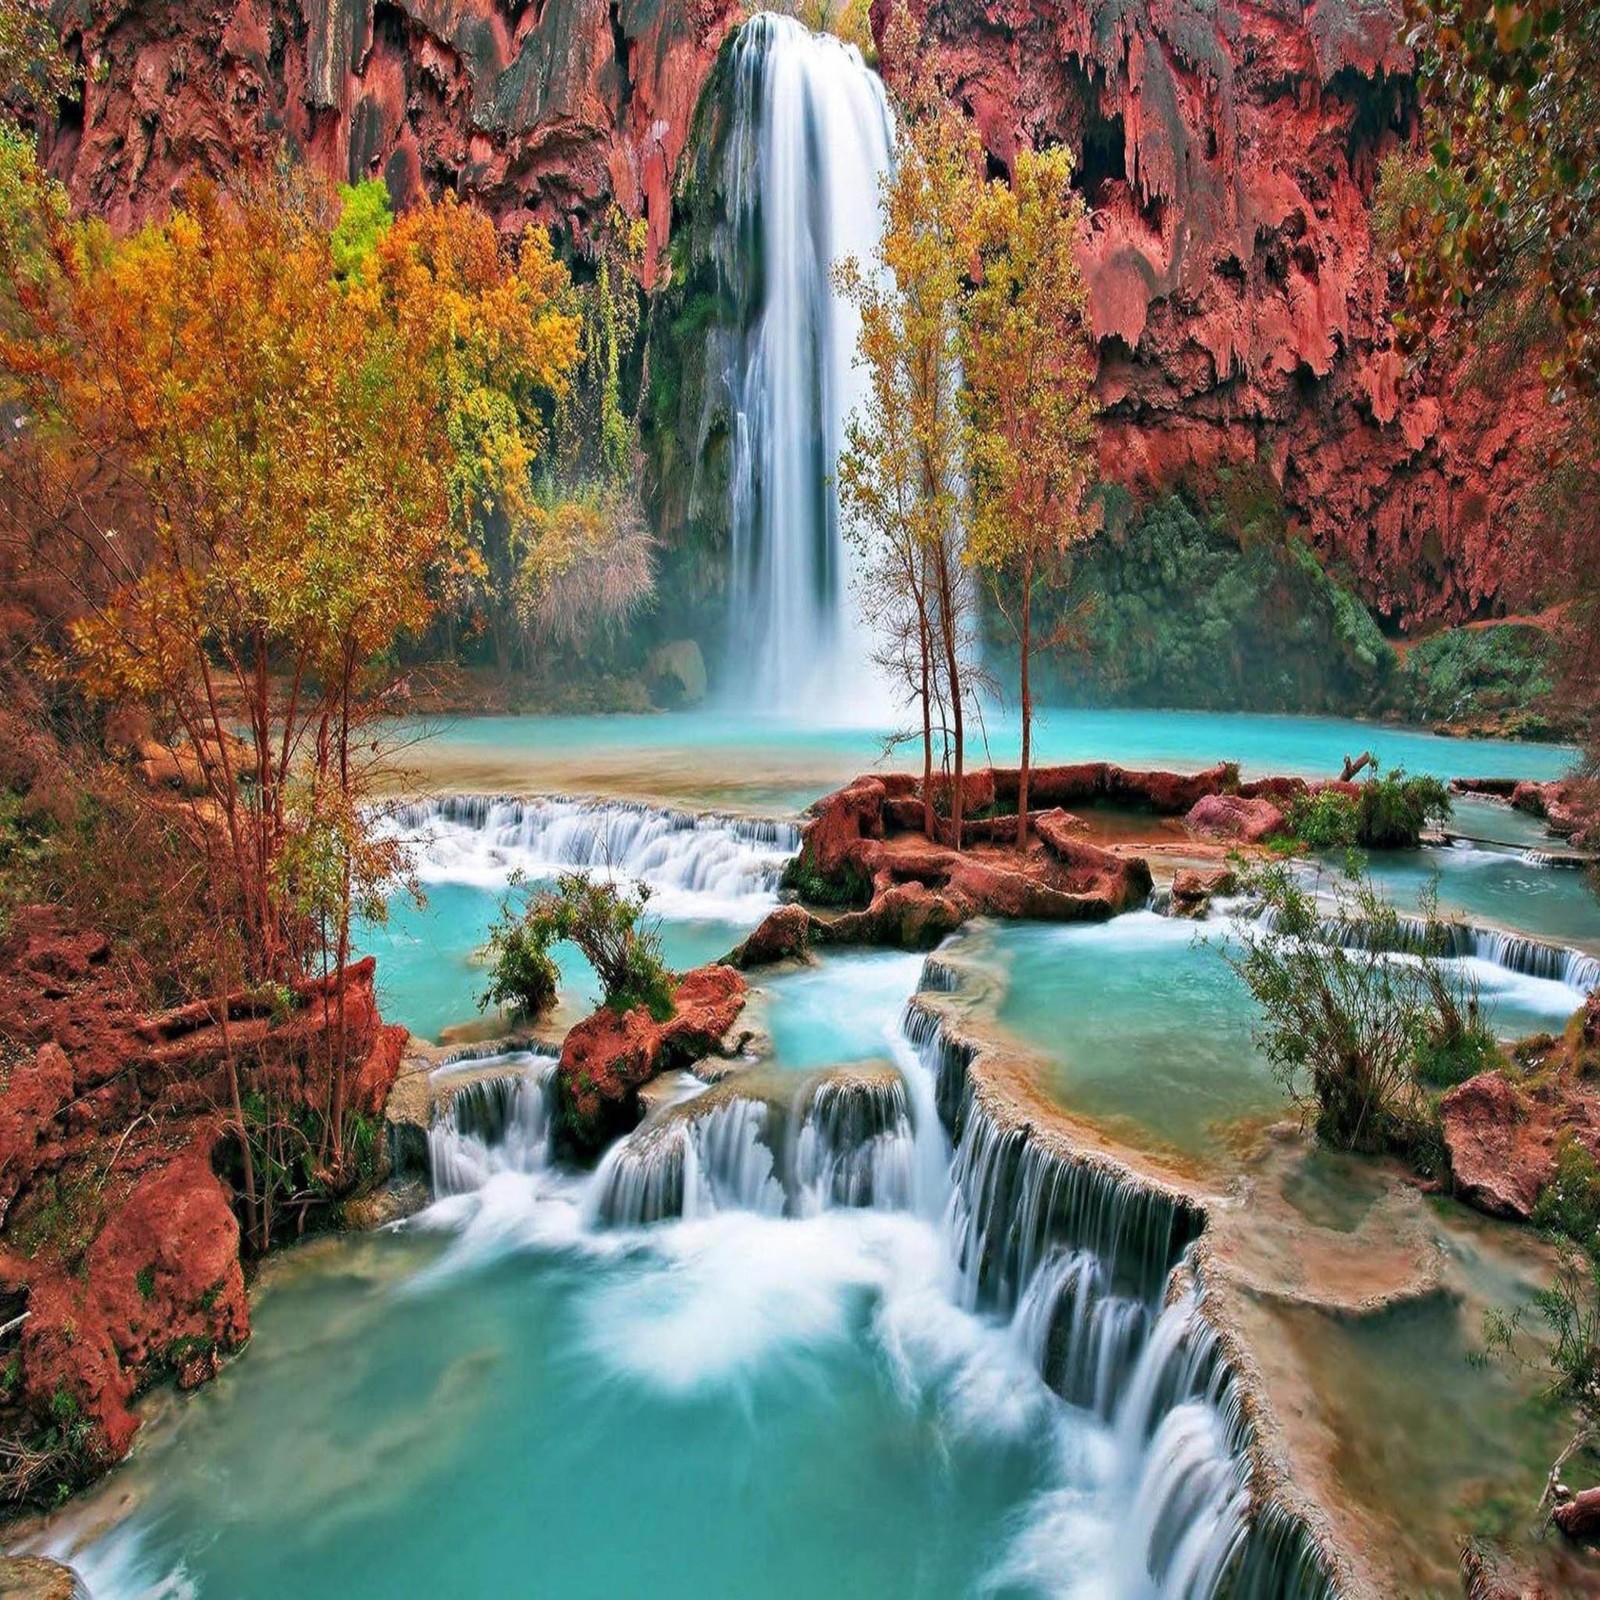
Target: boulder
column 1231, row 816
column 37, row 1578
column 909, row 916
column 1579, row 1517
column 1502, row 1154
column 610, row 1056
column 676, row 674
column 1192, row 889
column 783, row 935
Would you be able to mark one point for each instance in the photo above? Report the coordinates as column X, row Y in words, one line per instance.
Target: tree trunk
column 1026, row 698
column 929, row 821
column 952, row 661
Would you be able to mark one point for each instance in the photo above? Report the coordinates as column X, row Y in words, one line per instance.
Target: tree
column 1029, row 365
column 1510, row 198
column 284, row 460
column 1498, row 227
column 901, row 473
column 34, row 73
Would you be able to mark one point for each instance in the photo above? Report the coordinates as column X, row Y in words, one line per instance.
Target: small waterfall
column 704, row 1159
column 1458, row 941
column 706, row 860
column 810, row 141
column 493, row 1124
column 1085, row 1259
column 855, row 1147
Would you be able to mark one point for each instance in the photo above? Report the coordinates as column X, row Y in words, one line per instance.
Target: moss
column 145, row 1281
column 1498, row 679
column 1204, row 599
column 850, row 886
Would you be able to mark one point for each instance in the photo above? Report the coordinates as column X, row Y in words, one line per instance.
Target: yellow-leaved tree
column 901, row 473
column 1029, row 364
column 286, row 461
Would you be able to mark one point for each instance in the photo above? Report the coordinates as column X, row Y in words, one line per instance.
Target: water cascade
column 498, row 1123
column 694, row 863
column 809, row 143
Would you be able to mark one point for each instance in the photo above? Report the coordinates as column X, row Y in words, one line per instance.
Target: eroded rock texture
column 1229, row 152
column 550, row 111
column 1228, row 149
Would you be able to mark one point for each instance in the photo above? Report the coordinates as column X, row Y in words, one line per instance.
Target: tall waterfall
column 810, row 141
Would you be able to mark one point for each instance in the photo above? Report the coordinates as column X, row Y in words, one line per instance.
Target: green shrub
column 1391, row 812
column 605, row 923
column 1326, row 820
column 1350, row 1031
column 1206, row 599
column 1396, row 809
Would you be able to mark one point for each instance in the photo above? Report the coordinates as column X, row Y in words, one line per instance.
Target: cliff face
column 1229, row 151
column 549, row 112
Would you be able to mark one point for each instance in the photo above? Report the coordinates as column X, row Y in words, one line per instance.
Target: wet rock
column 610, row 1056
column 782, row 935
column 1504, row 1138
column 36, row 1578
column 1192, row 889
column 1231, row 816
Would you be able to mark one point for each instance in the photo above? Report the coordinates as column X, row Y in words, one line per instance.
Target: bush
column 604, row 922
column 1500, row 676
column 1359, row 1011
column 1390, row 813
column 1326, row 820
column 1396, row 809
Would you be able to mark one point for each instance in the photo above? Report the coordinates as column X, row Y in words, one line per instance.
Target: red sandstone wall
column 1229, row 150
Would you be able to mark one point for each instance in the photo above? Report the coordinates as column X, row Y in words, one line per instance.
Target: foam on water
column 694, row 865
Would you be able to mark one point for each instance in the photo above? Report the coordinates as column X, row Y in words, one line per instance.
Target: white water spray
column 810, row 143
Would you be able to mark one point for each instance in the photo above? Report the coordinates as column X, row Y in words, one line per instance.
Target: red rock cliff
column 1229, row 151
column 545, row 111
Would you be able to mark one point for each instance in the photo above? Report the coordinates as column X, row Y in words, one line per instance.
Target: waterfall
column 810, row 141
column 694, row 864
column 855, row 1147
column 487, row 1125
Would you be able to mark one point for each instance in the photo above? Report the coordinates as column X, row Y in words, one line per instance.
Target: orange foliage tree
column 303, row 456
column 1029, row 367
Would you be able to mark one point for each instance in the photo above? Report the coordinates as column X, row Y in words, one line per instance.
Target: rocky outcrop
column 1232, row 816
column 864, row 848
column 1504, row 1138
column 119, row 1248
column 610, row 1056
column 1228, row 153
column 549, row 114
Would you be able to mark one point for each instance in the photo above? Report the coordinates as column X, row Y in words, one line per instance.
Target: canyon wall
column 1229, row 152
column 1228, row 149
column 550, row 111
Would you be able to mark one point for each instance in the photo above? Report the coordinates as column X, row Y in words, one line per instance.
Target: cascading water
column 694, row 864
column 498, row 1123
column 810, row 141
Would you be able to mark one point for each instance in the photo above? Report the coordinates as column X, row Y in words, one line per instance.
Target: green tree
column 1029, row 365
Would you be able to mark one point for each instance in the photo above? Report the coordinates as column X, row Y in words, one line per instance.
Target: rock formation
column 610, row 1056
column 549, row 113
column 1228, row 151
column 1229, row 154
column 119, row 1248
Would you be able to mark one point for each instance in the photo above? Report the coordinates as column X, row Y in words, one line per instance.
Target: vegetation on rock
column 1390, row 812
column 607, row 924
column 1359, row 1012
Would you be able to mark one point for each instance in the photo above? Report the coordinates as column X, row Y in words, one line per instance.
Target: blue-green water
column 1141, row 1022
column 778, row 765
